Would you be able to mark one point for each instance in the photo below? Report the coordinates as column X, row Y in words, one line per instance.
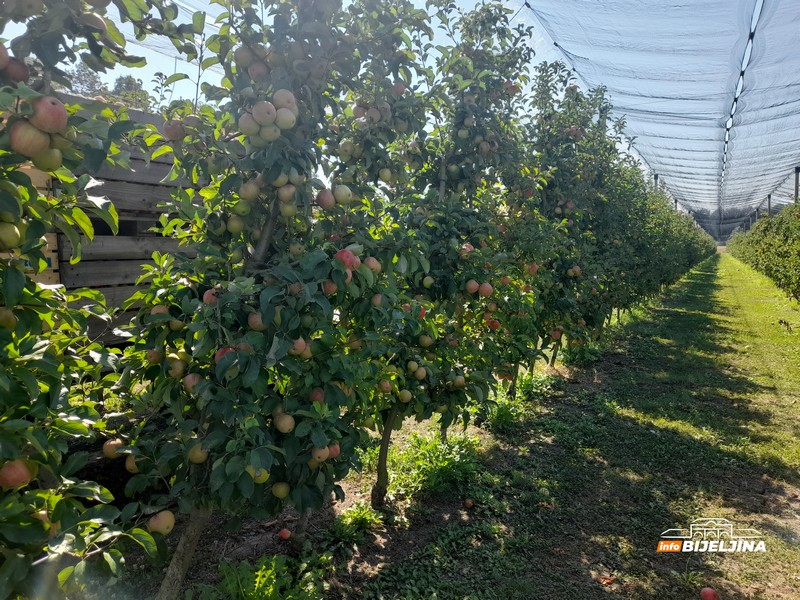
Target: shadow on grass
column 573, row 505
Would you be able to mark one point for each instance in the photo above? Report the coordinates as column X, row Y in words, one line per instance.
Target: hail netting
column 672, row 69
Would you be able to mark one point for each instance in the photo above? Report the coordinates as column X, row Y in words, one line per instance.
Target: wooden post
column 655, row 179
column 769, row 205
column 796, row 183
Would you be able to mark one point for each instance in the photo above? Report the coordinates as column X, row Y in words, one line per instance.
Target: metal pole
column 655, row 179
column 769, row 205
column 796, row 183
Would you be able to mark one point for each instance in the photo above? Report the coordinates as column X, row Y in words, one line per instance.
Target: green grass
column 693, row 411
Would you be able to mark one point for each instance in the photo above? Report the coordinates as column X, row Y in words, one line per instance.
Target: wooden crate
column 52, row 274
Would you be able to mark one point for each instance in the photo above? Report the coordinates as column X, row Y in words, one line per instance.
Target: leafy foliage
column 772, row 246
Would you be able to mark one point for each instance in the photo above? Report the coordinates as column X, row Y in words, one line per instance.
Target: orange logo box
column 669, row 546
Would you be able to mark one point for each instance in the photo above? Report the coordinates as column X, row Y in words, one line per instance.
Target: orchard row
column 772, row 246
column 380, row 229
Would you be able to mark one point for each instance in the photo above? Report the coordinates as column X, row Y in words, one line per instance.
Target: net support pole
column 796, row 183
column 655, row 179
column 769, row 205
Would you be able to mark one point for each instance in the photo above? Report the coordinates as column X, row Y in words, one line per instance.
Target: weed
column 272, row 578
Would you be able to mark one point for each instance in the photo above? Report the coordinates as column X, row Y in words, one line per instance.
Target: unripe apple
column 177, row 368
column 159, row 309
column 197, row 454
column 130, row 464
column 258, row 71
column 284, row 99
column 243, row 57
column 287, row 193
column 7, row 318
column 386, row 175
column 377, row 300
column 459, row 381
column 288, row 210
column 297, row 249
column 248, row 125
column 420, row 373
column 259, row 475
column 235, row 224
column 326, row 200
column 485, row 289
column 49, row 160
column 264, row 112
column 472, row 286
column 111, row 447
column 176, row 325
column 255, row 322
column 27, row 140
column 162, row 522
column 412, row 366
column 425, row 341
column 343, row 194
column 15, row 473
column 284, row 423
column 405, row 396
column 10, row 236
column 285, row 118
column 428, row 282
column 280, row 490
column 320, row 454
column 249, row 190
column 173, row 130
column 269, row 133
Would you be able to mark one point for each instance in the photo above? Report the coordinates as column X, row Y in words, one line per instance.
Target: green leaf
column 13, row 284
column 199, row 22
column 175, row 78
column 145, row 540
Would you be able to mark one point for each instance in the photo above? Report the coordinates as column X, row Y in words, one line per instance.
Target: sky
column 161, row 55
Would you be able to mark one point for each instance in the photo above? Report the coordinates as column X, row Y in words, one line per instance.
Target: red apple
column 346, row 257
column 190, row 381
column 211, row 296
column 372, row 264
column 494, row 324
column 708, row 593
column 377, row 300
column 485, row 289
column 555, row 334
column 173, row 130
column 15, row 473
column 49, row 114
column 222, row 352
column 334, row 450
column 326, row 200
column 284, row 534
column 154, row 356
column 329, row 287
column 17, row 71
column 472, row 286
column 4, row 58
column 317, row 395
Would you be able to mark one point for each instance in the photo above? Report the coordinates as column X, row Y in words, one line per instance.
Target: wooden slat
column 124, row 248
column 115, row 296
column 140, row 172
column 131, row 197
column 100, row 273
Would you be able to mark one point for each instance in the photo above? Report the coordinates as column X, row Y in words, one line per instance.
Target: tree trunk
column 554, row 356
column 381, row 486
column 512, row 389
column 182, row 559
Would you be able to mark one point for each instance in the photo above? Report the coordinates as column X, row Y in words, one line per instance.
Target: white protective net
column 710, row 91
